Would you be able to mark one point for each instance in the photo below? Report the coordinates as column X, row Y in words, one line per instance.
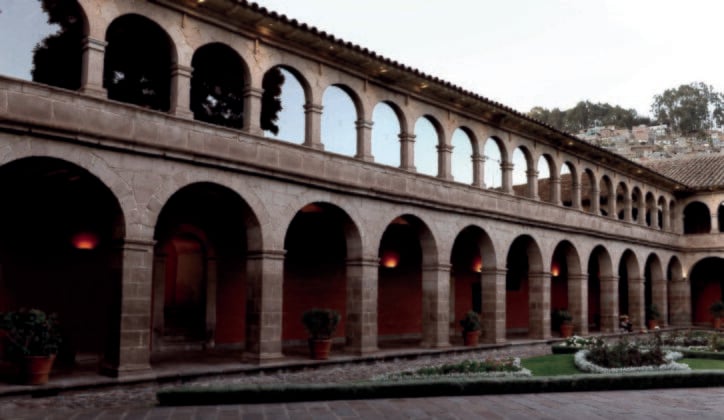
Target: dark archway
column 630, row 300
column 203, row 235
column 138, row 58
column 60, row 231
column 600, row 316
column 523, row 260
column 567, row 286
column 697, row 218
column 217, row 86
column 707, row 286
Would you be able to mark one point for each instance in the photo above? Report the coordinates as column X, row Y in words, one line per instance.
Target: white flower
column 582, row 363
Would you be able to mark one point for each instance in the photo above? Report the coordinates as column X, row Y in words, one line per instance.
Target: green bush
column 626, row 354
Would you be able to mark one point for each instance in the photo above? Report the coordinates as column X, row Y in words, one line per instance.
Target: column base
column 96, row 92
column 261, row 357
column 136, row 371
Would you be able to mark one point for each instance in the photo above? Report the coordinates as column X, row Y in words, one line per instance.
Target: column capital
column 437, row 267
column 532, row 172
column 181, row 70
column 267, row 254
column 407, row 137
column 445, row 148
column 364, row 124
column 136, row 244
column 94, row 44
column 363, row 262
column 253, row 91
column 506, row 166
column 313, row 108
column 494, row 270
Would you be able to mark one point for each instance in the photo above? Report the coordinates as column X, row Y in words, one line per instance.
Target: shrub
column 627, row 354
column 471, row 322
column 320, row 323
column 30, row 333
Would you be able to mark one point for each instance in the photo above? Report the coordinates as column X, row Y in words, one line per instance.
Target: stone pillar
column 680, row 303
column 532, row 184
column 609, row 304
column 364, row 140
column 595, row 201
column 361, row 322
column 265, row 277
column 627, row 209
column 575, row 194
column 181, row 91
column 539, row 305
column 444, row 161
column 135, row 262
column 252, row 110
column 435, row 305
column 641, row 214
column 313, row 126
column 159, row 287
column 578, row 302
column 91, row 80
column 659, row 297
column 655, row 217
column 507, row 172
column 666, row 222
column 715, row 221
column 493, row 302
column 612, row 210
column 555, row 185
column 407, row 151
column 637, row 303
column 478, row 171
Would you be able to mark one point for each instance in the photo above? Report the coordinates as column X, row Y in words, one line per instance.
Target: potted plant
column 564, row 320
column 717, row 312
column 321, row 324
column 652, row 317
column 31, row 339
column 471, row 328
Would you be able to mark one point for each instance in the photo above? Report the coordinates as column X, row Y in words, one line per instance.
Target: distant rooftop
column 698, row 171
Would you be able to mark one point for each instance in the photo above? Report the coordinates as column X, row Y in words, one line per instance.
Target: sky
column 526, row 53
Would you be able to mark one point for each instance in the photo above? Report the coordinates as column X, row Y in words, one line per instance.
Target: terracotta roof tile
column 701, row 171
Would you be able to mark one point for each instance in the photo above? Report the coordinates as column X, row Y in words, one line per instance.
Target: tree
column 587, row 114
column 689, row 109
column 57, row 59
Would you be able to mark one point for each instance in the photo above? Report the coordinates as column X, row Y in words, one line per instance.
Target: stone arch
column 522, row 161
column 407, row 252
column 427, row 148
column 523, row 293
column 623, row 202
column 651, row 211
column 637, row 206
column 655, row 291
column 548, row 178
column 343, row 110
column 630, row 289
column 204, row 234
column 138, row 60
column 463, row 151
column 697, row 218
column 60, row 251
column 218, row 82
column 720, row 216
column 495, row 156
column 662, row 210
column 567, row 286
column 589, row 191
column 602, row 291
column 319, row 242
column 293, row 92
column 387, row 128
column 570, row 189
column 607, row 197
column 472, row 251
column 707, row 286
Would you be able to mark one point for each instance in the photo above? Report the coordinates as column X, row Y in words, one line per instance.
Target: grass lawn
column 696, row 364
column 551, row 365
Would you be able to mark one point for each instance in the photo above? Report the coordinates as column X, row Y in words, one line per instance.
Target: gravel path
column 145, row 395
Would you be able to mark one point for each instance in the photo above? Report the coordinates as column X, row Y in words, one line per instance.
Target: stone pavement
column 699, row 403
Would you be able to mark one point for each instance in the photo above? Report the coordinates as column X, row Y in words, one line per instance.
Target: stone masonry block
column 29, row 107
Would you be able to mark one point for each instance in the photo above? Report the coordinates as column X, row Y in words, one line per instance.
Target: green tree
column 587, row 114
column 689, row 109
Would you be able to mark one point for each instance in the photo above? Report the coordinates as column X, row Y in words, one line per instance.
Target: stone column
column 435, row 305
column 578, row 302
column 478, row 171
column 361, row 330
column 659, row 297
column 444, row 161
column 313, row 126
column 181, row 91
column 609, row 304
column 91, row 80
column 680, row 303
column 252, row 110
column 532, row 184
column 493, row 302
column 612, row 210
column 539, row 305
column 637, row 303
column 555, row 185
column 407, row 151
column 666, row 222
column 507, row 172
column 655, row 217
column 715, row 221
column 595, row 201
column 641, row 213
column 364, row 140
column 575, row 194
column 265, row 275
column 134, row 261
column 627, row 209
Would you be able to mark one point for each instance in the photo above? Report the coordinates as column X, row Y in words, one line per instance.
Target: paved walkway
column 704, row 403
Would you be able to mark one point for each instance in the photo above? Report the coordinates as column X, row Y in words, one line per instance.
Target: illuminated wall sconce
column 390, row 259
column 555, row 271
column 85, row 240
column 478, row 264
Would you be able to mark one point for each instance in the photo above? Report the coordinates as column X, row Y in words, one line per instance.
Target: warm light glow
column 555, row 271
column 390, row 259
column 85, row 240
column 477, row 264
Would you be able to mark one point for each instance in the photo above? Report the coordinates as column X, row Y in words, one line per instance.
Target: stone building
column 150, row 226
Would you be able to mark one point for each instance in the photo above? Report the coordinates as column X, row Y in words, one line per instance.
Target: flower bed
column 670, row 357
column 575, row 343
column 468, row 368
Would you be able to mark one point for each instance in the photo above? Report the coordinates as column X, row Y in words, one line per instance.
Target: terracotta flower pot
column 319, row 348
column 716, row 322
column 566, row 330
column 653, row 323
column 35, row 369
column 471, row 338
